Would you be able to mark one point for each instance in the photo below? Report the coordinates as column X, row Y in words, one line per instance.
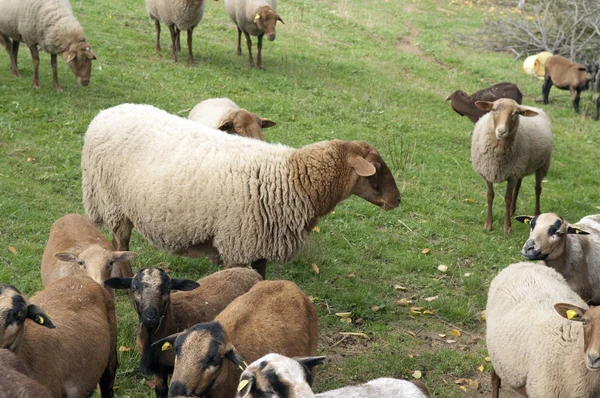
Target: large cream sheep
column 571, row 249
column 194, row 191
column 49, row 24
column 565, row 75
column 509, row 143
column 533, row 348
column 178, row 15
column 253, row 18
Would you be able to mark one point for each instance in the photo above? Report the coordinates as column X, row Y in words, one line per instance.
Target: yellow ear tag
column 242, row 384
column 577, row 231
column 256, row 18
column 527, row 221
column 40, row 320
column 241, row 367
column 167, row 346
column 245, row 364
column 571, row 314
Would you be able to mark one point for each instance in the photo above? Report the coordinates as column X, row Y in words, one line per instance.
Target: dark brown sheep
column 565, row 75
column 464, row 104
column 15, row 380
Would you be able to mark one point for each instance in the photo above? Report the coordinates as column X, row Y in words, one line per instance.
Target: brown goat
column 464, row 104
column 274, row 316
column 15, row 381
column 162, row 314
column 565, row 75
column 76, row 246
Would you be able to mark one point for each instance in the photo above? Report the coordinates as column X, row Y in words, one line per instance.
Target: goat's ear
column 66, row 256
column 266, row 123
column 527, row 112
column 234, row 356
column 124, row 256
column 484, row 105
column 166, row 343
column 38, row 315
column 570, row 311
column 574, row 230
column 524, row 219
column 362, row 167
column 245, row 386
column 183, row 284
column 118, row 283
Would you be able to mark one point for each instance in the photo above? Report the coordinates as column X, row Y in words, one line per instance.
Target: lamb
column 507, row 144
column 178, row 15
column 75, row 246
column 565, row 75
column 256, row 18
column 532, row 349
column 572, row 250
column 291, row 378
column 274, row 316
column 225, row 115
column 49, row 24
column 204, row 189
column 15, row 381
column 80, row 352
column 162, row 314
column 464, row 104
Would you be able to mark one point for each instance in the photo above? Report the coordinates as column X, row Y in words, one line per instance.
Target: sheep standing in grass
column 178, row 15
column 572, row 250
column 223, row 114
column 565, row 75
column 541, row 337
column 162, row 313
column 49, row 24
column 207, row 193
column 253, row 18
column 507, row 144
column 464, row 104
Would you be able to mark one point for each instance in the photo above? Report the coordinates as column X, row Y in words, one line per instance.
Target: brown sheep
column 80, row 352
column 274, row 316
column 76, row 246
column 565, row 75
column 464, row 104
column 162, row 314
column 15, row 381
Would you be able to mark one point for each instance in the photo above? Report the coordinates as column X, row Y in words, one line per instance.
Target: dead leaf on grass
column 315, row 268
column 428, row 312
column 442, row 268
column 416, row 310
column 375, row 308
column 12, row 249
column 400, row 287
column 404, row 302
column 427, row 250
column 355, row 334
column 417, row 374
column 455, row 332
column 483, row 315
column 413, row 334
column 124, row 349
column 430, row 299
column 481, row 368
column 317, row 229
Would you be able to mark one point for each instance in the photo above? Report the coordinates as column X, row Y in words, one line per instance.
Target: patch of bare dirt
column 407, row 44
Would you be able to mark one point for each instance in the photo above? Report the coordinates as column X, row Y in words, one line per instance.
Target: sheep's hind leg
column 189, row 42
column 121, row 237
column 508, row 200
column 496, row 382
column 249, row 43
column 539, row 176
column 107, row 380
column 575, row 95
column 259, row 55
column 239, row 47
column 515, row 195
column 546, row 89
column 173, row 31
column 157, row 27
column 161, row 388
column 9, row 45
column 54, row 65
column 490, row 204
column 260, row 266
column 35, row 56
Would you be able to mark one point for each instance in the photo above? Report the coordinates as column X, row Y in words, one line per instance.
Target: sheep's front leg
column 496, row 382
column 54, row 65
column 161, row 388
column 107, row 380
column 249, row 43
column 15, row 53
column 35, row 56
column 9, row 45
column 239, row 47
column 546, row 89
column 259, row 55
column 157, row 27
column 515, row 195
column 490, row 204
column 539, row 176
column 575, row 94
column 189, row 41
column 508, row 200
column 173, row 31
column 260, row 266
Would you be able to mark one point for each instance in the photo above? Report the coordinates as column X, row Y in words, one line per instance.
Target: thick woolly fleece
column 182, row 184
column 382, row 388
column 518, row 155
column 211, row 112
column 184, row 14
column 242, row 12
column 47, row 23
column 529, row 343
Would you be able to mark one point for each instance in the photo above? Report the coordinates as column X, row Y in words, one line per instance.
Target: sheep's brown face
column 245, row 124
column 591, row 331
column 505, row 112
column 266, row 19
column 79, row 57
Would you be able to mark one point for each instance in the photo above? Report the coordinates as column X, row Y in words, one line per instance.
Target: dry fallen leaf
column 481, row 368
column 375, row 308
column 460, row 381
column 488, row 359
column 430, row 299
column 317, row 229
column 463, row 388
column 416, row 310
column 428, row 312
column 417, row 374
column 315, row 268
column 442, row 335
column 450, row 341
column 473, row 384
column 399, row 287
column 351, row 275
column 468, row 274
column 356, row 334
column 30, row 159
column 344, row 317
column 483, row 315
column 442, row 268
column 455, row 332
column 12, row 250
column 426, row 250
column 413, row 334
column 124, row 349
column 470, row 200
column 403, row 302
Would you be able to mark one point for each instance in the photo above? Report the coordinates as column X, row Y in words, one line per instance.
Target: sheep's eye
column 110, row 264
column 81, row 263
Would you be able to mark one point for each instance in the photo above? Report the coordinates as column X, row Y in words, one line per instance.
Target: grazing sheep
column 80, row 352
column 572, row 250
column 162, row 314
column 508, row 144
column 178, row 15
column 49, row 24
column 75, row 246
column 274, row 316
column 565, row 75
column 15, row 381
column 203, row 189
column 253, row 18
column 223, row 114
column 532, row 348
column 291, row 378
column 464, row 104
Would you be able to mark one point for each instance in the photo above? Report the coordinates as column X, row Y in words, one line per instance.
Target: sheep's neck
column 147, row 336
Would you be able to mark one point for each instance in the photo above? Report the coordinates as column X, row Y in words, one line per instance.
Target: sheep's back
column 184, row 14
column 382, row 388
column 211, row 112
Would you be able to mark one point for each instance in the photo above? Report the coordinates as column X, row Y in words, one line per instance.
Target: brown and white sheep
column 162, row 313
column 15, row 381
column 71, row 358
column 274, row 316
column 76, row 246
column 464, row 104
column 565, row 75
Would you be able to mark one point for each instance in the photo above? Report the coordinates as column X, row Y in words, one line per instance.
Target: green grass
column 335, row 71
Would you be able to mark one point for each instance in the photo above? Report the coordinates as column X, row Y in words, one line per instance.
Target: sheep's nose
column 271, row 37
column 500, row 130
column 398, row 200
column 593, row 360
column 84, row 82
column 150, row 317
column 528, row 251
column 177, row 388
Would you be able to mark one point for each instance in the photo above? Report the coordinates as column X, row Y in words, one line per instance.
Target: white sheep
column 541, row 337
column 178, row 15
column 253, row 18
column 571, row 249
column 291, row 378
column 225, row 115
column 194, row 191
column 49, row 24
column 507, row 144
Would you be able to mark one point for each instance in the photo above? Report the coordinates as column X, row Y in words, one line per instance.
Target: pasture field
column 338, row 69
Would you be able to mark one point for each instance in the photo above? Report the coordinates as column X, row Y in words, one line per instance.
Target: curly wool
column 184, row 14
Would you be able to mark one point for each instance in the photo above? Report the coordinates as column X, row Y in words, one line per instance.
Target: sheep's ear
column 310, row 362
column 234, row 356
column 66, row 256
column 166, row 343
column 245, row 386
column 266, row 123
column 38, row 315
column 91, row 55
column 527, row 112
column 524, row 219
column 183, row 284
column 362, row 167
column 583, row 68
column 118, row 283
column 225, row 125
column 279, row 19
column 574, row 230
column 124, row 256
column 484, row 105
column 570, row 311
column 70, row 56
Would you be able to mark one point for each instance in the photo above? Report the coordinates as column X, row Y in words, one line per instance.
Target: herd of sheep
column 210, row 186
